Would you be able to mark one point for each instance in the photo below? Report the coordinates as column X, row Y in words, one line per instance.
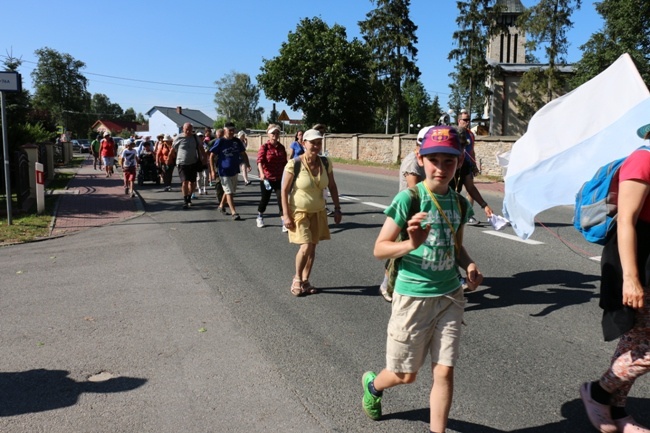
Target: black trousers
column 266, row 195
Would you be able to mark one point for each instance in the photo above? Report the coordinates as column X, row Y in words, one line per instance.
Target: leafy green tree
column 237, row 99
column 475, row 22
column 323, row 75
column 18, row 106
column 546, row 24
column 390, row 35
column 60, row 88
column 128, row 115
column 102, row 108
column 626, row 30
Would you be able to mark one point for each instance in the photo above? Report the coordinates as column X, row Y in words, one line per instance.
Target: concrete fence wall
column 391, row 149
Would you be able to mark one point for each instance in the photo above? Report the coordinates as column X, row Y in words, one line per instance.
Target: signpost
column 9, row 82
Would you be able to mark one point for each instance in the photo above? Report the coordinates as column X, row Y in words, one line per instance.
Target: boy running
column 428, row 302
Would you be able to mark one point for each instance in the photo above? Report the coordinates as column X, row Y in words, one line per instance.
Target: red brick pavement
column 100, row 201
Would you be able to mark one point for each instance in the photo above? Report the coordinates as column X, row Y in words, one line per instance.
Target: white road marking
column 595, row 258
column 512, row 237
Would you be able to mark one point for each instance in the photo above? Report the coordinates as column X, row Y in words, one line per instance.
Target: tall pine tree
column 546, row 25
column 390, row 35
column 475, row 20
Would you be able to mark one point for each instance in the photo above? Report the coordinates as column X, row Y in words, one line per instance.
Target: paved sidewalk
column 93, row 200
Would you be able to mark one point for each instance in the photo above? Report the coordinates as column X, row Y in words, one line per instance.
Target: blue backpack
column 596, row 204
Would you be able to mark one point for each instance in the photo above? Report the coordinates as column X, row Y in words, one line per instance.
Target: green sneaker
column 371, row 404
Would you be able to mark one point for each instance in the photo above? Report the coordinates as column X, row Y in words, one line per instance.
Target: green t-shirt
column 95, row 146
column 431, row 269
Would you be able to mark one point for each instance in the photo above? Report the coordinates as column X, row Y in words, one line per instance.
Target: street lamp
column 412, row 125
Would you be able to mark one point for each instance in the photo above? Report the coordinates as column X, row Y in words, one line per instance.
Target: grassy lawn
column 29, row 226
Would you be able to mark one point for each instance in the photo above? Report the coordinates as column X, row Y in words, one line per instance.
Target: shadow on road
column 574, row 288
column 575, row 419
column 41, row 390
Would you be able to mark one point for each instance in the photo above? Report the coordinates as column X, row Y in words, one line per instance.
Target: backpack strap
column 414, row 207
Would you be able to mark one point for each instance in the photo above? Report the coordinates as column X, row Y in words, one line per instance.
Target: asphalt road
column 130, row 299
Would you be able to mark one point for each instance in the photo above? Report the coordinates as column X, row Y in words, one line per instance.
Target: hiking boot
column 260, row 221
column 236, row 217
column 371, row 403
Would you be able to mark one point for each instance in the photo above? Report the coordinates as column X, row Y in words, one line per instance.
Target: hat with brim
column 311, row 135
column 643, row 131
column 441, row 139
column 272, row 129
column 167, row 138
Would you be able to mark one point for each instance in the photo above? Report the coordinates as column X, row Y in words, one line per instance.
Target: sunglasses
column 464, row 120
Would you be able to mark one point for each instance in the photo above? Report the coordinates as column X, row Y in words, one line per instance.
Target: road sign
column 10, row 82
column 284, row 117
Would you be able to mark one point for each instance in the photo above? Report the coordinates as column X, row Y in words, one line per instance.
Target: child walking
column 428, row 301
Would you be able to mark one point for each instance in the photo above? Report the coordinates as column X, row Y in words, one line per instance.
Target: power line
column 131, row 79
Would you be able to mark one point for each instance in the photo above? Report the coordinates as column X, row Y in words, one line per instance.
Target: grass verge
column 29, row 226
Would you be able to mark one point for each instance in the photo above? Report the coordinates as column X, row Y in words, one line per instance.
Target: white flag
column 570, row 138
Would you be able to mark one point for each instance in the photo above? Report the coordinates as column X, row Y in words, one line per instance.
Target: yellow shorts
column 310, row 227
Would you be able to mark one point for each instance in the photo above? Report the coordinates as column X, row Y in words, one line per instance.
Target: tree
column 475, row 22
column 237, row 99
column 60, row 88
column 22, row 126
column 418, row 103
column 102, row 108
column 128, row 115
column 435, row 111
column 545, row 24
column 390, row 35
column 626, row 30
column 323, row 75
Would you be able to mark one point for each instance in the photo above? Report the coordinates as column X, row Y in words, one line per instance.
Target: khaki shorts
column 421, row 326
column 310, row 227
column 229, row 184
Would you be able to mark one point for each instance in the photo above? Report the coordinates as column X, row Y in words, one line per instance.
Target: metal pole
column 5, row 148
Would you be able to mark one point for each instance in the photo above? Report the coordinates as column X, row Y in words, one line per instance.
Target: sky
column 134, row 50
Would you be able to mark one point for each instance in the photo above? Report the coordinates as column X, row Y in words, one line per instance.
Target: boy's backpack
column 392, row 265
column 597, row 203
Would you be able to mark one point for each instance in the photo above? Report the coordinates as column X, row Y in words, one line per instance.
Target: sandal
column 296, row 287
column 308, row 289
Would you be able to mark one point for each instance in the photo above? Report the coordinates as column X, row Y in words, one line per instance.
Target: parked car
column 85, row 145
column 76, row 146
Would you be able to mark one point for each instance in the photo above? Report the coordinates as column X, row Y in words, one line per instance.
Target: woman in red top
column 271, row 159
column 625, row 294
column 107, row 152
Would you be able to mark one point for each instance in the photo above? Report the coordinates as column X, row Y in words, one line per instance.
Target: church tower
column 508, row 46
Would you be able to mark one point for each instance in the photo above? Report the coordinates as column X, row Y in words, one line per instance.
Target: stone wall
column 390, row 149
